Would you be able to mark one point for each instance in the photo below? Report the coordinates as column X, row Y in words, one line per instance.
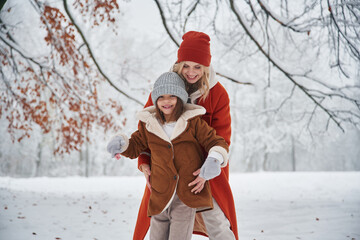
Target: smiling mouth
column 192, row 78
column 167, row 107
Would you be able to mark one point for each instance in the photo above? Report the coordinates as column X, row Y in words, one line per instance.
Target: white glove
column 115, row 145
column 210, row 169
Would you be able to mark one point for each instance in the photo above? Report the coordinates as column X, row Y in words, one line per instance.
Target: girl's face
column 192, row 71
column 166, row 103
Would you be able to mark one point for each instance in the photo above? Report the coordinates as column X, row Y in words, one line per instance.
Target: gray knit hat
column 169, row 83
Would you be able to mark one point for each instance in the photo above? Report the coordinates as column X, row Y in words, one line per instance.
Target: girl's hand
column 116, row 145
column 117, row 156
column 199, row 183
column 145, row 168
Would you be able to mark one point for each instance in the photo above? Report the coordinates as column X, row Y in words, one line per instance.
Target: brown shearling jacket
column 173, row 160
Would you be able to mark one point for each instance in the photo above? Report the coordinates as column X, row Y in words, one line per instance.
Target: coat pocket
column 159, row 179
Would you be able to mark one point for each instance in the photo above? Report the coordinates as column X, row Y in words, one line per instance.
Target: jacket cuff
column 218, row 156
column 223, row 152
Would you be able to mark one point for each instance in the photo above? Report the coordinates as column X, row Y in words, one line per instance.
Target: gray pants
column 176, row 222
column 217, row 225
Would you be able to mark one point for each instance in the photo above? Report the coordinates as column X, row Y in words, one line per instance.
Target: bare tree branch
column 287, row 74
column 353, row 48
column 190, row 12
column 283, row 22
column 93, row 57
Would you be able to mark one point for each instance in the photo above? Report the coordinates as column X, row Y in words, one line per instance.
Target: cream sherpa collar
column 147, row 115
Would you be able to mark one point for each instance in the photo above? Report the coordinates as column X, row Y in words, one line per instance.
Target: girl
column 193, row 65
column 175, row 134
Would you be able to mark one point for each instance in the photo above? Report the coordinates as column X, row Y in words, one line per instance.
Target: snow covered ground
column 276, row 206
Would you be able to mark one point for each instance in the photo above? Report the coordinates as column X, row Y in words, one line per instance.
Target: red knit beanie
column 195, row 47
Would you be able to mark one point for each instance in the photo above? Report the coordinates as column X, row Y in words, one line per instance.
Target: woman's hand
column 117, row 156
column 145, row 168
column 199, row 183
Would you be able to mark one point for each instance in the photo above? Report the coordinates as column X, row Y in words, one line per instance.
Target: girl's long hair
column 178, row 110
column 203, row 84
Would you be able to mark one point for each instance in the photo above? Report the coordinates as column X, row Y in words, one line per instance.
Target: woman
column 193, row 65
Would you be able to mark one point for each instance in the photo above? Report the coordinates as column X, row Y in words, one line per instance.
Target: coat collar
column 212, row 83
column 147, row 115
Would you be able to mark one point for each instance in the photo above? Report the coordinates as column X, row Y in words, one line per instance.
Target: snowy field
column 276, row 206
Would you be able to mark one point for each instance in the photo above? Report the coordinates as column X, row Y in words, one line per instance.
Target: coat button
column 175, row 177
column 169, row 146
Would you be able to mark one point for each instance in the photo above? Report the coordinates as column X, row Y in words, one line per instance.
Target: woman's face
column 166, row 103
column 192, row 71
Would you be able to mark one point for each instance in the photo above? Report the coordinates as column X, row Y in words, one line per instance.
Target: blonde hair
column 203, row 85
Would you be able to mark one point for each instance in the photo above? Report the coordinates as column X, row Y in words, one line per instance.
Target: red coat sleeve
column 217, row 107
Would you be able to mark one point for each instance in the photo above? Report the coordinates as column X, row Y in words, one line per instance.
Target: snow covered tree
column 294, row 37
column 52, row 82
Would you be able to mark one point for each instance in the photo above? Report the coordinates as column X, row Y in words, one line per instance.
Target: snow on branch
column 57, row 90
column 289, row 75
column 348, row 31
column 289, row 23
column 90, row 49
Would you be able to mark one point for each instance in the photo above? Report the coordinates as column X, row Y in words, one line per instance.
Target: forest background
column 74, row 73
